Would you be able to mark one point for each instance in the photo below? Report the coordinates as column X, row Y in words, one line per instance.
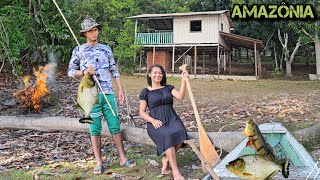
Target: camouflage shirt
column 100, row 56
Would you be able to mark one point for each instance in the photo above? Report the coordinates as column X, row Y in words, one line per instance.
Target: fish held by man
column 87, row 97
column 258, row 142
column 256, row 167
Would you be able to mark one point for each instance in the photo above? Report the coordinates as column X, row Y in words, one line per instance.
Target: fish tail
column 86, row 120
column 285, row 168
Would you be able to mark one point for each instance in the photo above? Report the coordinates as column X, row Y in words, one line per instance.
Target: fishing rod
column 75, row 38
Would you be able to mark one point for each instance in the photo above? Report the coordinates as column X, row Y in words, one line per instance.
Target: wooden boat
column 302, row 166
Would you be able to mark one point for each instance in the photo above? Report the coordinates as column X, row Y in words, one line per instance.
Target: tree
column 309, row 32
column 287, row 57
column 208, row 5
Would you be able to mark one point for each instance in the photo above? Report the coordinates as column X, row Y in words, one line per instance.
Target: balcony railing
column 159, row 38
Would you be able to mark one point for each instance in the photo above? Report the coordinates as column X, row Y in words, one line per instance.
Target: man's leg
column 95, row 132
column 114, row 128
column 96, row 144
column 117, row 139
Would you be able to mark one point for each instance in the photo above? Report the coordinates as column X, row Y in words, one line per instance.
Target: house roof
column 171, row 15
column 165, row 21
column 243, row 41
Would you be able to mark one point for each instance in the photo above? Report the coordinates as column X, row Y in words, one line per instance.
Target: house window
column 195, row 26
column 221, row 27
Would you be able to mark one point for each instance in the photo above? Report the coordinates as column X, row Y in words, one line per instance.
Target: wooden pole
column 172, row 68
column 259, row 64
column 255, row 60
column 135, row 31
column 229, row 59
column 224, row 61
column 195, row 61
column 140, row 61
column 153, row 54
column 203, row 70
column 218, row 59
column 202, row 158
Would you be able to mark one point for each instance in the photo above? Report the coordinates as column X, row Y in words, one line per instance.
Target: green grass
column 83, row 170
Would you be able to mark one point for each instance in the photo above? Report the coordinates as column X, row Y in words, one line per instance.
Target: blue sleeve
column 170, row 87
column 112, row 66
column 74, row 63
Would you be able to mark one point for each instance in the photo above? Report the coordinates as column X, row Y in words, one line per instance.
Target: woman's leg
column 165, row 161
column 171, row 155
column 165, row 165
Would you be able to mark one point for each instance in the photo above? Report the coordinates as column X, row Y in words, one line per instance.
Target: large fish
column 255, row 167
column 258, row 142
column 87, row 97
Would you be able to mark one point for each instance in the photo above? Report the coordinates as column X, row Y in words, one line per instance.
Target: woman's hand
column 184, row 75
column 156, row 123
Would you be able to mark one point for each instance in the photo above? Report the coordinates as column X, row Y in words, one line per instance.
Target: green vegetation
column 83, row 169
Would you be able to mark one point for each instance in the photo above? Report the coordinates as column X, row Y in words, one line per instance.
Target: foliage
column 14, row 36
column 209, row 5
column 36, row 27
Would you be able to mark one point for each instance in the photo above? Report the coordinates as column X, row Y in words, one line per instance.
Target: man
column 98, row 59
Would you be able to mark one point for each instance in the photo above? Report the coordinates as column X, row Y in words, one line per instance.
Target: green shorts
column 102, row 109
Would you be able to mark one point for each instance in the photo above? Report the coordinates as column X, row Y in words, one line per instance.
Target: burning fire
column 31, row 97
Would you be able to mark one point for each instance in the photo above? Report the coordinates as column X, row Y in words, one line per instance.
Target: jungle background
column 33, row 34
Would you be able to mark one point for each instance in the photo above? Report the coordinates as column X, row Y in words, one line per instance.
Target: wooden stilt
column 172, row 68
column 229, row 59
column 195, row 61
column 255, row 60
column 218, row 60
column 153, row 55
column 203, row 70
column 140, row 62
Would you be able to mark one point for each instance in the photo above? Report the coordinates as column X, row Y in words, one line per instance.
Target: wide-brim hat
column 87, row 24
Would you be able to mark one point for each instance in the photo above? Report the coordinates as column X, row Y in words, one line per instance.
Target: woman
column 164, row 126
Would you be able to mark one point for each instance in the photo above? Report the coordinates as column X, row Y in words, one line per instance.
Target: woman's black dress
column 160, row 104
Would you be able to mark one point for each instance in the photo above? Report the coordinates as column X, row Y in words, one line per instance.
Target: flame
column 31, row 96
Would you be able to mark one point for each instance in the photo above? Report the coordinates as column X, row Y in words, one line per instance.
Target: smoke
column 53, row 62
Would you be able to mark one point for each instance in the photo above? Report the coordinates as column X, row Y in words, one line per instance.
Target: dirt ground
column 223, row 105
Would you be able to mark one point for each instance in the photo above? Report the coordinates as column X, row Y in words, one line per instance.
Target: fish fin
column 271, row 175
column 86, row 120
column 248, row 143
column 81, row 89
column 285, row 168
column 246, row 174
column 80, row 108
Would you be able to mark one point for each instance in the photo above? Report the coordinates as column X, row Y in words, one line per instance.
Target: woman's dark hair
column 164, row 78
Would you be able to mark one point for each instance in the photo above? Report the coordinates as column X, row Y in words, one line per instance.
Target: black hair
column 164, row 78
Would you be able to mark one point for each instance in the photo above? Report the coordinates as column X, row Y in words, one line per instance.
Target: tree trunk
column 228, row 140
column 317, row 47
column 288, row 69
column 289, row 62
column 275, row 58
